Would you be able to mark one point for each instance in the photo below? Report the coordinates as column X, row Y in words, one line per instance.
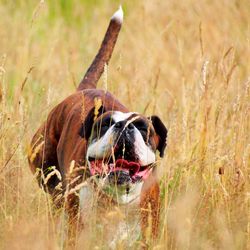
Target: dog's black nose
column 122, row 124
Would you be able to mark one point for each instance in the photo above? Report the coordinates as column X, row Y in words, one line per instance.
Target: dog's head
column 121, row 150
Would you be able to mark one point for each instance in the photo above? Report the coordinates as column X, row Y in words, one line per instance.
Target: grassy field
column 186, row 61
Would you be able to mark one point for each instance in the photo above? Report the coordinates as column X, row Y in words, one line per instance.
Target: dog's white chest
column 118, row 224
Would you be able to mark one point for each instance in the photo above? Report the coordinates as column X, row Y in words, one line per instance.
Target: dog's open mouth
column 121, row 171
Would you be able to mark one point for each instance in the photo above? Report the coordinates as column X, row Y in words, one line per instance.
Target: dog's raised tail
column 103, row 56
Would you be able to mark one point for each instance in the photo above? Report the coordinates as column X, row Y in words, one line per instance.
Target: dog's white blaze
column 120, row 116
column 144, row 152
column 118, row 15
column 102, row 146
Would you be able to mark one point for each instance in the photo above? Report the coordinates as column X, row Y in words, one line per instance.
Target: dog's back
column 57, row 141
column 75, row 131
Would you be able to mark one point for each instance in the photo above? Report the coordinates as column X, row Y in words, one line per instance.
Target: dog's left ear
column 86, row 127
column 161, row 133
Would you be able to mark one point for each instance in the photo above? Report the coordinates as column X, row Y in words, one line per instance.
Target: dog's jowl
column 91, row 147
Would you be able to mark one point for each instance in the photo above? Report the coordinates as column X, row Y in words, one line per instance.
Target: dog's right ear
column 161, row 133
column 86, row 127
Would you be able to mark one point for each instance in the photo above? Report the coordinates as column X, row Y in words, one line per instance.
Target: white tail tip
column 118, row 15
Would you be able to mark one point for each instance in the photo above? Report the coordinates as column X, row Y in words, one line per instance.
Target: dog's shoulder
column 85, row 100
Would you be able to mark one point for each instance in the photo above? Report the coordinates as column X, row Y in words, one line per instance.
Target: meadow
column 185, row 61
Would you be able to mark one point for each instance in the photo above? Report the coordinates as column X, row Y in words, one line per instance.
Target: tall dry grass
column 186, row 61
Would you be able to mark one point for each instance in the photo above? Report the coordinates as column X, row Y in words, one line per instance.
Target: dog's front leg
column 72, row 210
column 150, row 210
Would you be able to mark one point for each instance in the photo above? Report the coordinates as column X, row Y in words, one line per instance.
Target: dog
column 92, row 141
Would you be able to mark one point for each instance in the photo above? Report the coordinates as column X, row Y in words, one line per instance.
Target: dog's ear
column 161, row 134
column 86, row 127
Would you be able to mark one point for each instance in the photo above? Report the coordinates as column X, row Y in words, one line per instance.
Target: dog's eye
column 105, row 126
column 141, row 125
column 107, row 123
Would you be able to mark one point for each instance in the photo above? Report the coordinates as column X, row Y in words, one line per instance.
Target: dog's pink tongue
column 96, row 167
column 132, row 167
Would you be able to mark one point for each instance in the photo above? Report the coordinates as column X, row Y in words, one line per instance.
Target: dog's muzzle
column 121, row 172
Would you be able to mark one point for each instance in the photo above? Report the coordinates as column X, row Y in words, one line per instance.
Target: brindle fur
column 58, row 143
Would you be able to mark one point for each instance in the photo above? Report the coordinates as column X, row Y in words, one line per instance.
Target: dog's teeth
column 118, row 15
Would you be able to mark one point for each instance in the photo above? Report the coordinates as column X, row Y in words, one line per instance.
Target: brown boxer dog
column 92, row 136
